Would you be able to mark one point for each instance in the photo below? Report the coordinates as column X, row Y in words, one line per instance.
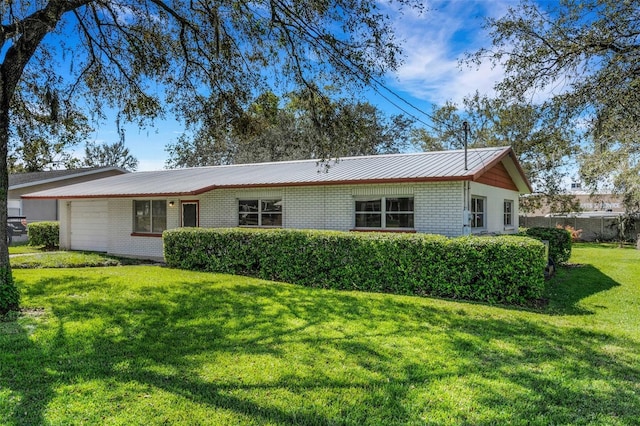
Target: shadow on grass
column 25, row 386
column 573, row 283
column 333, row 358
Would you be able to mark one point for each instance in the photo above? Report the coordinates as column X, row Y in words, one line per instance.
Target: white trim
column 260, row 212
column 511, row 213
column 484, row 213
column 383, row 213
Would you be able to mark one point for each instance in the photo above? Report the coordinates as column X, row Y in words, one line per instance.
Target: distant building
column 39, row 210
column 591, row 205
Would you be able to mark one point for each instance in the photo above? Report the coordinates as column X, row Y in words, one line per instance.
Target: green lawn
column 137, row 345
column 23, row 248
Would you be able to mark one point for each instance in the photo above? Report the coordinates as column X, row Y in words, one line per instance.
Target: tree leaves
column 584, row 56
column 306, row 126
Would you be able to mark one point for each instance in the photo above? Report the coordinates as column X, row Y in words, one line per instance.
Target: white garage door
column 89, row 225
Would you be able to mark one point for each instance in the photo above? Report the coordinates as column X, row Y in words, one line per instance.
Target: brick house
column 428, row 192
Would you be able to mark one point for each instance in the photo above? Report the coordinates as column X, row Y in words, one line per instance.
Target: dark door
column 190, row 214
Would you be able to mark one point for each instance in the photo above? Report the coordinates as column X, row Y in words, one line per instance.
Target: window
column 508, row 213
column 478, row 212
column 384, row 212
column 260, row 213
column 149, row 216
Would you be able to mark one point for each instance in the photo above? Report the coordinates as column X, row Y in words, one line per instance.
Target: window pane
column 271, row 205
column 142, row 224
column 248, row 206
column 159, row 224
column 248, row 212
column 369, row 205
column 399, row 204
column 478, row 212
column 399, row 220
column 159, row 208
column 142, row 216
column 248, row 219
column 368, row 220
column 508, row 215
column 159, row 216
column 271, row 219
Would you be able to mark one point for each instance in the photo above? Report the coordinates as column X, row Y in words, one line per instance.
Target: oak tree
column 142, row 56
column 301, row 126
column 584, row 56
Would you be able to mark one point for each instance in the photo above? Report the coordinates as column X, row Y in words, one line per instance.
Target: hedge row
column 559, row 242
column 45, row 234
column 493, row 269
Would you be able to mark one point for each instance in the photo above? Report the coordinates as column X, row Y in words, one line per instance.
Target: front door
column 190, row 214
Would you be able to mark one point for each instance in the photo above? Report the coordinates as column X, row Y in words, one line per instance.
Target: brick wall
column 438, row 209
column 121, row 242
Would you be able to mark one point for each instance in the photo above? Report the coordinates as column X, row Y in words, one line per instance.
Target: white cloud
column 434, row 43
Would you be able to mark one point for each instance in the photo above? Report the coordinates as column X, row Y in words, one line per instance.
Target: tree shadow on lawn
column 572, row 284
column 282, row 354
column 25, row 386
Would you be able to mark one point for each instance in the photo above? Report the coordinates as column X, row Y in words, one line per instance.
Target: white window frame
column 476, row 213
column 260, row 213
column 508, row 214
column 383, row 212
column 151, row 218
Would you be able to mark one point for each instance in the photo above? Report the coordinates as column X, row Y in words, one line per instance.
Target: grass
column 149, row 345
column 66, row 259
column 23, row 247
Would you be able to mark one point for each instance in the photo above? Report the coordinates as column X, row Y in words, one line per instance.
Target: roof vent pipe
column 465, row 127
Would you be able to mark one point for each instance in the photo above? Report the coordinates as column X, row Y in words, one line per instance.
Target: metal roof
column 23, row 180
column 392, row 168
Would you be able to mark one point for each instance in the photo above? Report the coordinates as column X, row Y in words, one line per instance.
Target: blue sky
column 433, row 41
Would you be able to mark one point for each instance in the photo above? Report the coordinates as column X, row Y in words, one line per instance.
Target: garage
column 89, row 221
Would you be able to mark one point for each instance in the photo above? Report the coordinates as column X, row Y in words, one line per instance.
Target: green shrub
column 45, row 234
column 494, row 269
column 559, row 242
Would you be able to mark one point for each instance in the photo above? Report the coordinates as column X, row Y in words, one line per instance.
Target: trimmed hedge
column 559, row 242
column 492, row 269
column 45, row 234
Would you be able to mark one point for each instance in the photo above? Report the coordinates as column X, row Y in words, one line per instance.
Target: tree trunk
column 9, row 295
column 28, row 36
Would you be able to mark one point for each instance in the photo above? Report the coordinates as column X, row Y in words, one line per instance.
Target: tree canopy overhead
column 585, row 54
column 293, row 128
column 143, row 57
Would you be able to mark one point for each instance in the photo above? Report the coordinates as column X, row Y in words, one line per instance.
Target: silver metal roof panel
column 425, row 166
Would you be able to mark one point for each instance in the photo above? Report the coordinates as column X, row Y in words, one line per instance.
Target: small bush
column 575, row 233
column 45, row 234
column 559, row 242
column 493, row 269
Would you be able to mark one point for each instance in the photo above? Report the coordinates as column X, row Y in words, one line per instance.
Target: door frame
column 194, row 202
